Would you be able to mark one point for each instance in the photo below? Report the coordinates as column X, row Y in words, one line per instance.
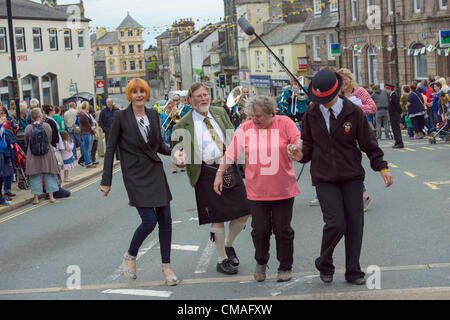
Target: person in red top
column 271, row 184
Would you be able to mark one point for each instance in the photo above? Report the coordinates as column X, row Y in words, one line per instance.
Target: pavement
column 78, row 174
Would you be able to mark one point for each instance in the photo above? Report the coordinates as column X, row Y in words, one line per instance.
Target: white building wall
column 68, row 65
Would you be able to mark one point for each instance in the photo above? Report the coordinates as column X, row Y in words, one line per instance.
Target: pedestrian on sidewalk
column 3, row 148
column 271, row 184
column 43, row 164
column 207, row 126
column 70, row 119
column 332, row 129
column 67, row 155
column 136, row 131
column 105, row 119
column 87, row 134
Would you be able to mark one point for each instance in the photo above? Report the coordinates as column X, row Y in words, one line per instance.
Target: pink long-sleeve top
column 368, row 105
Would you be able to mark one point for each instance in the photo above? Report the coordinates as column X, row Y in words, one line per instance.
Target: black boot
column 226, row 267
column 231, row 254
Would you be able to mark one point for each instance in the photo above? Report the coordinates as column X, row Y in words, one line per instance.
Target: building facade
column 124, row 52
column 52, row 59
column 368, row 43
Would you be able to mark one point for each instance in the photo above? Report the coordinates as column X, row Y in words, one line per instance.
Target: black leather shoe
column 398, row 146
column 358, row 281
column 327, row 278
column 231, row 254
column 226, row 267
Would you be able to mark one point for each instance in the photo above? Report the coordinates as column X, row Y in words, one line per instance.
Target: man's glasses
column 201, row 96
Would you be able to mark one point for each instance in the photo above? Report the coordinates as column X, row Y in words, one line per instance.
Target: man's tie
column 332, row 120
column 222, row 147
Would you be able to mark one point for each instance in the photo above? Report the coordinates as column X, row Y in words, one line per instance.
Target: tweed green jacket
column 187, row 140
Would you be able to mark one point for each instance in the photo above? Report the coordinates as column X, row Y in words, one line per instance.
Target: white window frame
column 131, row 48
column 357, row 67
column 390, row 9
column 373, row 76
column 132, row 65
column 124, row 50
column 317, row 6
column 416, row 62
column 20, row 36
column 330, row 40
column 316, row 48
column 418, row 5
column 354, row 9
column 111, row 66
column 67, row 39
column 37, row 35
column 141, row 65
column 130, row 32
column 334, row 5
column 281, row 56
column 139, row 48
column 442, row 6
column 53, row 34
column 3, row 40
column 258, row 60
column 124, row 65
column 269, row 62
column 80, row 36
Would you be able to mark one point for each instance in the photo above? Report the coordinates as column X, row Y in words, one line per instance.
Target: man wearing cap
column 395, row 111
column 332, row 129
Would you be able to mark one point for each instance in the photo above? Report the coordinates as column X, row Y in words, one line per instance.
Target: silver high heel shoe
column 131, row 275
column 170, row 281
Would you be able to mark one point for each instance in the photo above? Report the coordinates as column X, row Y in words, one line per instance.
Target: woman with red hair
column 136, row 132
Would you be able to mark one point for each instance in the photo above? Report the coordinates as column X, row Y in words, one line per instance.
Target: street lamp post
column 397, row 75
column 12, row 48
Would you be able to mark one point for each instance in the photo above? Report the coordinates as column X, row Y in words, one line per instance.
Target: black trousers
column 276, row 216
column 343, row 214
column 395, row 119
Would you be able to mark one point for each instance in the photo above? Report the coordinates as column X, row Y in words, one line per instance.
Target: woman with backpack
column 41, row 159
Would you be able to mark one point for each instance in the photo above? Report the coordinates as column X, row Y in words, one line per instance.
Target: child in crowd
column 67, row 155
column 409, row 126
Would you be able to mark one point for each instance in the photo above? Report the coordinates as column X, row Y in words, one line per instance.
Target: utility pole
column 397, row 75
column 12, row 48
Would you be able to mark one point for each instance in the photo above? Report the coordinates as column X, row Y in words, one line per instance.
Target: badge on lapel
column 347, row 127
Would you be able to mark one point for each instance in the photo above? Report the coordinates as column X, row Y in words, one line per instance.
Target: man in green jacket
column 203, row 134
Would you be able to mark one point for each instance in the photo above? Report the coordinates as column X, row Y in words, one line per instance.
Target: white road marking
column 193, row 219
column 176, row 222
column 184, row 247
column 140, row 292
column 392, row 165
column 279, row 288
column 432, row 186
column 205, row 258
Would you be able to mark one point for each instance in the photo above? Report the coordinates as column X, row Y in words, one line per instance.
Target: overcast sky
column 150, row 13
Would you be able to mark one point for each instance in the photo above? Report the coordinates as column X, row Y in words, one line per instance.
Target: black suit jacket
column 394, row 104
column 142, row 169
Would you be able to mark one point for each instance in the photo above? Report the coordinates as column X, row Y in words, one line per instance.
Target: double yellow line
column 87, row 184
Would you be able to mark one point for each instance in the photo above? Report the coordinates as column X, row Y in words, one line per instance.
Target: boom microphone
column 249, row 30
column 246, row 26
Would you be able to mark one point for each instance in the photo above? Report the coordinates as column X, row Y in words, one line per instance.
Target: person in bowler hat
column 332, row 129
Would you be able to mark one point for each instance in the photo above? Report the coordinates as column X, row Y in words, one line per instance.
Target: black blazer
column 394, row 104
column 142, row 169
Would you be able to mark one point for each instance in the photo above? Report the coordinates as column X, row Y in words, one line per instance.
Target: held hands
column 294, row 152
column 218, row 183
column 387, row 177
column 179, row 158
column 105, row 190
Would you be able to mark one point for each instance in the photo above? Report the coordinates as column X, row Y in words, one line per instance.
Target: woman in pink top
column 351, row 89
column 271, row 184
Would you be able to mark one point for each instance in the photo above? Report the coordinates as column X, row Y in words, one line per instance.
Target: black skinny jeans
column 151, row 216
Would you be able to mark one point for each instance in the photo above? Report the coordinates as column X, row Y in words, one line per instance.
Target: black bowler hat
column 325, row 85
column 390, row 86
